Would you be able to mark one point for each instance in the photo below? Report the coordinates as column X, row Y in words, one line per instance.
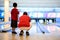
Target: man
column 24, row 23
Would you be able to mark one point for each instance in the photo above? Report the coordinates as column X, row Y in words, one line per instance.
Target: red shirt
column 24, row 21
column 14, row 14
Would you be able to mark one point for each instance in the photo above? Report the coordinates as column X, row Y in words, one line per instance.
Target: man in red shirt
column 14, row 17
column 24, row 23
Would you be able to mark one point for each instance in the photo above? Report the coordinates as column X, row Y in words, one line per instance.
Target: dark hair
column 14, row 4
column 25, row 13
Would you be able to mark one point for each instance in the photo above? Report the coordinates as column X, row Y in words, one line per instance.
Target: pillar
column 6, row 13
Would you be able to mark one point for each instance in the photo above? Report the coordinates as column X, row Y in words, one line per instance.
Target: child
column 14, row 17
column 24, row 23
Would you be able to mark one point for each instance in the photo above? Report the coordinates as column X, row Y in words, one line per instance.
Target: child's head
column 25, row 13
column 14, row 4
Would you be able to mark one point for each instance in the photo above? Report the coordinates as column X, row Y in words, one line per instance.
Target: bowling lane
column 49, row 28
column 36, row 27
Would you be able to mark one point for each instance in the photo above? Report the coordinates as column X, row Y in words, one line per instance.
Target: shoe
column 27, row 33
column 14, row 32
column 21, row 33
